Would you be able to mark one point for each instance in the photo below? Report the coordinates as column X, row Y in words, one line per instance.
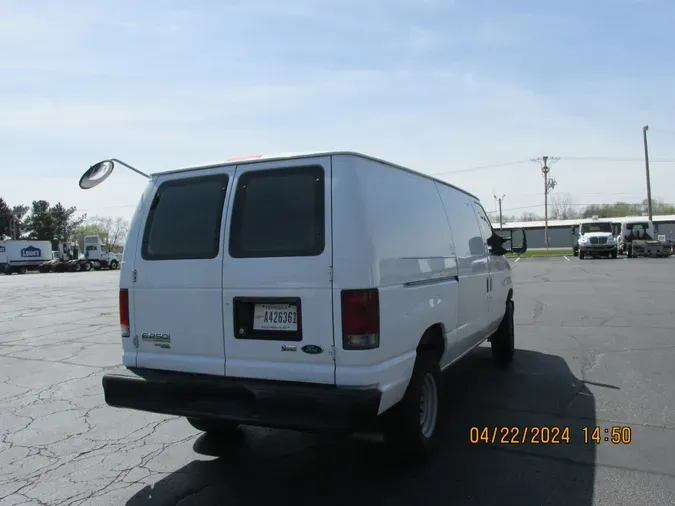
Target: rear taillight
column 360, row 319
column 124, row 312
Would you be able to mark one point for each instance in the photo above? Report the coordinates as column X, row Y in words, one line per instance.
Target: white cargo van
column 316, row 292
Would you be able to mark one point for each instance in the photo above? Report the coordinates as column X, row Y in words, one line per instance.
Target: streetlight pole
column 499, row 199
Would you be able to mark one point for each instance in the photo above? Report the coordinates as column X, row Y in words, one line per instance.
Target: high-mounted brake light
column 124, row 312
column 242, row 158
column 360, row 319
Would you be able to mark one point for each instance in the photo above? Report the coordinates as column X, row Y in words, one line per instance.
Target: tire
column 22, row 270
column 77, row 268
column 581, row 255
column 114, row 265
column 614, row 254
column 215, row 427
column 86, row 267
column 412, row 427
column 504, row 341
column 575, row 253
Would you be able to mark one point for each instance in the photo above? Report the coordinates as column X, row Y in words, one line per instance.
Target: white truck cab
column 316, row 292
column 97, row 253
column 595, row 238
column 638, row 238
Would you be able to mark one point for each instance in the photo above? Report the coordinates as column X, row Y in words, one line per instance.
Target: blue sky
column 437, row 85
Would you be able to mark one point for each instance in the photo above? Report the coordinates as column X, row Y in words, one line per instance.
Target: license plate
column 282, row 317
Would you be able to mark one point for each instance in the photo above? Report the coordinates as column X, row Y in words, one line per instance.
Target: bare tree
column 530, row 216
column 562, row 207
column 111, row 230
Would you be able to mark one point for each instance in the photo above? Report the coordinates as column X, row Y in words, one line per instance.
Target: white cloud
column 423, row 40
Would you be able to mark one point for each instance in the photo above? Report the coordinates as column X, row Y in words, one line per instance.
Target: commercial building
column 560, row 231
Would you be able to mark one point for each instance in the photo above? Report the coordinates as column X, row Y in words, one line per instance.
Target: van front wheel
column 503, row 341
column 215, row 427
column 412, row 427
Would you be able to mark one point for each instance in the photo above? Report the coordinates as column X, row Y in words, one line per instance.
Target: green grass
column 552, row 252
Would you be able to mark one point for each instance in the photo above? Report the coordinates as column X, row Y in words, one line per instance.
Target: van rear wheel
column 503, row 341
column 215, row 427
column 412, row 427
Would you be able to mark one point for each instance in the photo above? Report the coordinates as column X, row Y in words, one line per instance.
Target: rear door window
column 279, row 213
column 184, row 219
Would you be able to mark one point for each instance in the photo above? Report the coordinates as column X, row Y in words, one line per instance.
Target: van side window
column 184, row 219
column 483, row 221
column 279, row 213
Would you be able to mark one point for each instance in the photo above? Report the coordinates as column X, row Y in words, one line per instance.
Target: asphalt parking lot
column 595, row 349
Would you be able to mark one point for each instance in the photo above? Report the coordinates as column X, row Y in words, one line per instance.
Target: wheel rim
column 428, row 405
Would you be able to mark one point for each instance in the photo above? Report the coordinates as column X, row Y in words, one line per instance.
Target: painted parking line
column 566, row 258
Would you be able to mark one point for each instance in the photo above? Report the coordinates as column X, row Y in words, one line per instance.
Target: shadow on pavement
column 537, row 390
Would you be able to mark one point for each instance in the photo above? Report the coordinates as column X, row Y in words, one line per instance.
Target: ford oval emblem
column 312, row 349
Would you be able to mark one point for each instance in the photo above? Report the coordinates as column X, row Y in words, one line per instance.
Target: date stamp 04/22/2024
column 550, row 434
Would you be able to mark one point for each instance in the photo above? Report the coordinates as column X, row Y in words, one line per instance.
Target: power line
column 667, row 132
column 480, row 167
column 614, row 159
column 564, row 158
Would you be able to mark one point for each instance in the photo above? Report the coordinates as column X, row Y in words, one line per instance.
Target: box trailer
column 19, row 256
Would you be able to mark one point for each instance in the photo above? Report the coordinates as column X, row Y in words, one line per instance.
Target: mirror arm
column 130, row 167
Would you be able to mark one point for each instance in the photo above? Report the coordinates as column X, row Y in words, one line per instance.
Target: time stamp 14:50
column 616, row 434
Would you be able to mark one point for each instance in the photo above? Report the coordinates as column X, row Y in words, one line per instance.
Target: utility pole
column 549, row 184
column 13, row 226
column 649, row 186
column 499, row 199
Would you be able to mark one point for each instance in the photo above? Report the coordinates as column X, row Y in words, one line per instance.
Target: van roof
column 308, row 154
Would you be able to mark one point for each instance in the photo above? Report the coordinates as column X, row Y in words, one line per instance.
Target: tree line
column 45, row 222
column 563, row 207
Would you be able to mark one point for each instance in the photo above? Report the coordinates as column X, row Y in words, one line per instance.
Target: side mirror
column 516, row 238
column 96, row 174
column 99, row 172
column 476, row 246
column 518, row 241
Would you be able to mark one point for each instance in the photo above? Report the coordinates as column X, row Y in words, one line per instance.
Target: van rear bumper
column 276, row 404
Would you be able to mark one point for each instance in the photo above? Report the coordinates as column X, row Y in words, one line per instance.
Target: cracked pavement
column 595, row 348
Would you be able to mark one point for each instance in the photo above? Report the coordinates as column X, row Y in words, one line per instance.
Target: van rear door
column 177, row 318
column 277, row 278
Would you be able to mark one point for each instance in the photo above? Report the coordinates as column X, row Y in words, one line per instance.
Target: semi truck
column 637, row 238
column 67, row 257
column 97, row 253
column 19, row 256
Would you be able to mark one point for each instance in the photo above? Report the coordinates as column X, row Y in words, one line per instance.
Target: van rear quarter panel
column 389, row 229
column 131, row 245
